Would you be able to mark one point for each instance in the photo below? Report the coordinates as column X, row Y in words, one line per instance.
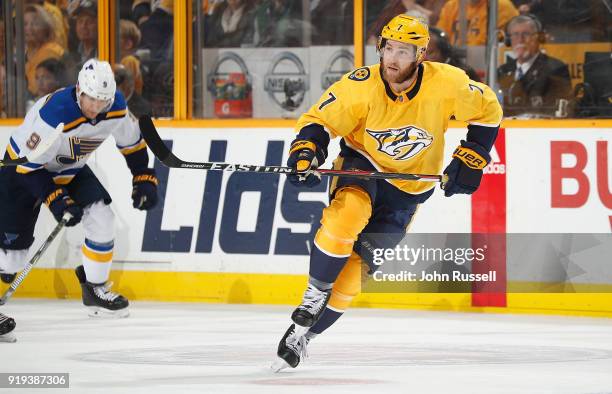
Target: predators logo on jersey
column 403, row 143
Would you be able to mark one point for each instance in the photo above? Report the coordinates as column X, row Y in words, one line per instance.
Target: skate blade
column 9, row 337
column 97, row 312
column 278, row 365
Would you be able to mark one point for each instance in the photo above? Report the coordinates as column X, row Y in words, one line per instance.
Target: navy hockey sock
column 328, row 317
column 325, row 268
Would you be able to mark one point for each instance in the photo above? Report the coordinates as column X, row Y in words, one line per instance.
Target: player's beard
column 400, row 77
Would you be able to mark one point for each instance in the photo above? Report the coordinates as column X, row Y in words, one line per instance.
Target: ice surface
column 204, row 348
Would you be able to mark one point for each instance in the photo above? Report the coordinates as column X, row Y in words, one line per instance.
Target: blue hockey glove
column 60, row 203
column 464, row 172
column 305, row 158
column 144, row 190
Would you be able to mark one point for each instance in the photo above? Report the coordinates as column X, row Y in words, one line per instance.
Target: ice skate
column 313, row 304
column 7, row 325
column 291, row 349
column 100, row 300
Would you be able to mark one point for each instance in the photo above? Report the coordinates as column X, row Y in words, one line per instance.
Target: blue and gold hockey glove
column 305, row 159
column 465, row 170
column 144, row 189
column 60, row 203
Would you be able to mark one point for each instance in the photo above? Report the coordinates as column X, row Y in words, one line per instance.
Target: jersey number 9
column 33, row 141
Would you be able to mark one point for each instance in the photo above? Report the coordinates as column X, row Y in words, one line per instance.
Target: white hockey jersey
column 80, row 136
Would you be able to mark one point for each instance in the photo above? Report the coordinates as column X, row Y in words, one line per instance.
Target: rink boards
column 244, row 238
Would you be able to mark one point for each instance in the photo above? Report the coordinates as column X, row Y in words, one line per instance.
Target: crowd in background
column 235, row 23
column 530, row 81
column 61, row 35
column 277, row 23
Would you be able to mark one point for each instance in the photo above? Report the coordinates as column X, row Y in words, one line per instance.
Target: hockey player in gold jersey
column 391, row 117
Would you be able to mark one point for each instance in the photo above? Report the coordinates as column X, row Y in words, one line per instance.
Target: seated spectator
column 440, row 50
column 279, row 23
column 50, row 76
column 60, row 25
column 40, row 42
column 476, row 15
column 396, row 7
column 158, row 30
column 230, row 25
column 137, row 105
column 85, row 17
column 533, row 83
column 129, row 38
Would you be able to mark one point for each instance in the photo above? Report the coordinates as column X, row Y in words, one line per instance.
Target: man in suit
column 533, row 82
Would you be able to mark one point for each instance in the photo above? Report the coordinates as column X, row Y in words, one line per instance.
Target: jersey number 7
column 330, row 100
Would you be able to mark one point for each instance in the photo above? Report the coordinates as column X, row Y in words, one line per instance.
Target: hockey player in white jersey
column 60, row 179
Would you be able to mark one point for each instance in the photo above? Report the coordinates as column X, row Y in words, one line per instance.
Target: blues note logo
column 80, row 148
column 403, row 143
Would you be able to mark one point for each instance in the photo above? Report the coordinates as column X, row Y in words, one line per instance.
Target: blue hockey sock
column 328, row 317
column 325, row 268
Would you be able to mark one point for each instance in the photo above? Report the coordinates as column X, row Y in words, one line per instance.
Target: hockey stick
column 40, row 149
column 9, row 292
column 161, row 151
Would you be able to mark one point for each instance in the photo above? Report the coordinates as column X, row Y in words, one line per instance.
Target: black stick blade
column 153, row 140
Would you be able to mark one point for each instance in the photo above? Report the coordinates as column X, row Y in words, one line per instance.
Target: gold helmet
column 409, row 30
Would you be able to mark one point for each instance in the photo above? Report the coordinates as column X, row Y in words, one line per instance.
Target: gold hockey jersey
column 403, row 132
